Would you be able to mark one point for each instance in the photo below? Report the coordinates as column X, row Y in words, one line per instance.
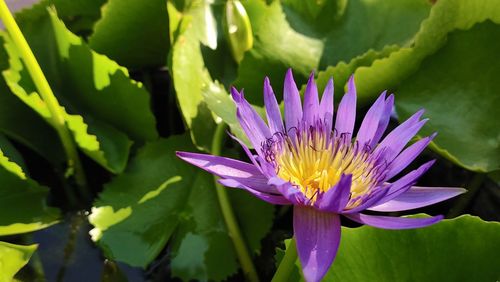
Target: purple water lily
column 314, row 163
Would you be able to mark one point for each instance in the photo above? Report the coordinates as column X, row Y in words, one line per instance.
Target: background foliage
column 139, row 80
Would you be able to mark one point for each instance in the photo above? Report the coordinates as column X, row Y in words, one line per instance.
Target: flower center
column 314, row 161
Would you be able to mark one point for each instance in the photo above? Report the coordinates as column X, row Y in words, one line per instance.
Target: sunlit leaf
column 467, row 244
column 133, row 32
column 449, row 72
column 340, row 33
column 159, row 198
column 12, row 259
column 189, row 74
column 23, row 205
column 104, row 107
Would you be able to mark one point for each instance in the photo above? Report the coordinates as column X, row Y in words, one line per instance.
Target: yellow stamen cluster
column 315, row 164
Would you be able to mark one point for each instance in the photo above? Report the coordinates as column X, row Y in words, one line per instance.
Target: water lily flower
column 315, row 163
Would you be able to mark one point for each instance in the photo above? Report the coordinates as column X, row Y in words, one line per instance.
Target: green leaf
column 458, row 86
column 105, row 108
column 221, row 104
column 238, row 29
column 22, row 200
column 467, row 244
column 440, row 73
column 446, row 16
column 191, row 78
column 133, row 32
column 342, row 71
column 19, row 122
column 160, row 198
column 308, row 44
column 78, row 15
column 276, row 47
column 13, row 258
column 11, row 153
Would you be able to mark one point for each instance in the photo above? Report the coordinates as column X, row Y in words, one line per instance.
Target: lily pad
column 458, row 87
column 105, row 109
column 23, row 205
column 160, row 198
column 13, row 258
column 353, row 29
column 133, row 32
column 466, row 243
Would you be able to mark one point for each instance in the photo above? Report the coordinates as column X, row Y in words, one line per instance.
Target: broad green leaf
column 276, row 47
column 105, row 108
column 78, row 15
column 11, row 153
column 459, row 88
column 160, row 198
column 450, row 73
column 446, row 16
column 342, row 71
column 308, row 44
column 467, row 244
column 20, row 123
column 12, row 259
column 189, row 74
column 117, row 143
column 222, row 105
column 133, row 32
column 22, row 200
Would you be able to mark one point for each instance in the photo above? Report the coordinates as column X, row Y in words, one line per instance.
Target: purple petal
column 288, row 190
column 311, row 102
column 318, row 237
column 253, row 125
column 371, row 121
column 293, row 106
column 389, row 222
column 270, row 198
column 336, row 198
column 368, row 201
column 245, row 173
column 346, row 113
column 326, row 106
column 247, row 151
column 404, row 183
column 384, row 120
column 417, row 197
column 272, row 109
column 395, row 141
column 407, row 156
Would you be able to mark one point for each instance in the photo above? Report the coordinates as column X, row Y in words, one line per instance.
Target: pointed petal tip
column 235, row 94
column 311, row 76
column 390, row 100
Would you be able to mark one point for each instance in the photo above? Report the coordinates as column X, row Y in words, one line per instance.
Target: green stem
column 287, row 263
column 43, row 87
column 228, row 214
column 464, row 201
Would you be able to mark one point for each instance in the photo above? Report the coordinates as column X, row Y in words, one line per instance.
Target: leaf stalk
column 227, row 212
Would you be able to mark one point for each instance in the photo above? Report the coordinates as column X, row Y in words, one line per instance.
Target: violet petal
column 346, row 113
column 293, row 106
column 317, row 236
column 326, row 106
column 270, row 198
column 417, row 197
column 272, row 109
column 389, row 222
column 311, row 102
